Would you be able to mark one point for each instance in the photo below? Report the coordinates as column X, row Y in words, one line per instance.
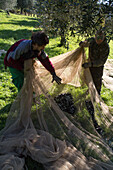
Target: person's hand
column 86, row 65
column 83, row 43
column 56, row 78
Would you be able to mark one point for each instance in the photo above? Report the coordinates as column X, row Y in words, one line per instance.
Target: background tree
column 67, row 17
column 8, row 4
column 56, row 17
column 25, row 4
column 107, row 10
column 89, row 17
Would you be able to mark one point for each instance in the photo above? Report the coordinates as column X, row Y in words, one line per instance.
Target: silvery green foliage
column 11, row 4
column 107, row 10
column 56, row 17
column 25, row 4
column 69, row 17
column 8, row 4
column 64, row 17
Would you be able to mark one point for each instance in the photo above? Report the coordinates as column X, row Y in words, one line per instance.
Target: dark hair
column 39, row 38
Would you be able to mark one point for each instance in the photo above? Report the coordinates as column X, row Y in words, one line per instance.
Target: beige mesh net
column 44, row 132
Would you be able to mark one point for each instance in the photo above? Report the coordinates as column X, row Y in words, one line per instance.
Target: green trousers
column 17, row 77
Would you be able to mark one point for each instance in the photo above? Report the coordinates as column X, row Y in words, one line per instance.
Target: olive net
column 37, row 127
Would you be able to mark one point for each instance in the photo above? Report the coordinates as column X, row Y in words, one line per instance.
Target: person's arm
column 44, row 59
column 86, row 43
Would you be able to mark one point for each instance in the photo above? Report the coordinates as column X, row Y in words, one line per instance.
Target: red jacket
column 14, row 57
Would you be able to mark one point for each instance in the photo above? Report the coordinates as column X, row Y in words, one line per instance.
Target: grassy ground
column 15, row 27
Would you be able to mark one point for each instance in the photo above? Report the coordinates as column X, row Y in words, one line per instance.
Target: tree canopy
column 11, row 4
column 8, row 4
column 23, row 4
column 83, row 17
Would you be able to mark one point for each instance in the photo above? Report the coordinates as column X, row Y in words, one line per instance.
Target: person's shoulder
column 19, row 41
column 25, row 43
column 105, row 43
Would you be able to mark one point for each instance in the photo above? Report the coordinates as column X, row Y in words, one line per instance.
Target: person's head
column 39, row 40
column 99, row 37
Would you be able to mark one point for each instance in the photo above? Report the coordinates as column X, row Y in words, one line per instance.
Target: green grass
column 15, row 27
column 111, row 50
column 107, row 96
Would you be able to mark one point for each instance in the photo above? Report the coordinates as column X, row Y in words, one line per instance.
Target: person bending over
column 28, row 49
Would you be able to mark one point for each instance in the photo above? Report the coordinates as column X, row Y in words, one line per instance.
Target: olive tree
column 24, row 4
column 56, row 17
column 69, row 17
column 107, row 10
column 8, row 4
